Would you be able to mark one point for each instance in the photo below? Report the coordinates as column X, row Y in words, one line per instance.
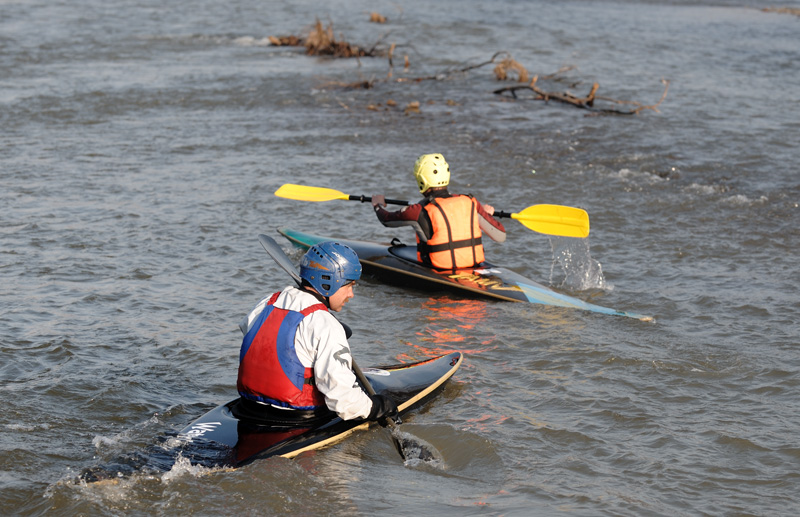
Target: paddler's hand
column 378, row 200
column 489, row 209
column 382, row 408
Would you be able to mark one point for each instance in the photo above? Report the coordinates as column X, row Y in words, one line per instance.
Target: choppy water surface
column 140, row 148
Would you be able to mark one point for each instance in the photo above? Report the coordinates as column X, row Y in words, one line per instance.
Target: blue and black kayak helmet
column 327, row 266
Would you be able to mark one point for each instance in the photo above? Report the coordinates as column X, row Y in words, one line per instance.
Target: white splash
column 249, row 41
column 27, row 428
column 742, row 200
column 581, row 271
column 183, row 467
column 125, row 436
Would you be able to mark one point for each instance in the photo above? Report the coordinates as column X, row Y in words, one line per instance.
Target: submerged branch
column 782, row 10
column 587, row 102
column 445, row 75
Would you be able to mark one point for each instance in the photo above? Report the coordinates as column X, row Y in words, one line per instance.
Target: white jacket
column 321, row 344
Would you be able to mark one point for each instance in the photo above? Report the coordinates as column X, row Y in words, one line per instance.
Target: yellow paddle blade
column 303, row 193
column 565, row 221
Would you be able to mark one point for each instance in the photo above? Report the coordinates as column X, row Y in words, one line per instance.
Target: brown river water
column 142, row 142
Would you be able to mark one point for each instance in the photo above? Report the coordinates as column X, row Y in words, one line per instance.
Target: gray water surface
column 142, row 142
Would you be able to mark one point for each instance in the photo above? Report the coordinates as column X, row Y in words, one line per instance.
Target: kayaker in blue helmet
column 449, row 227
column 295, row 363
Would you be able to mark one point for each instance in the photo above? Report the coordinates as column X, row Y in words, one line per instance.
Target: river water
column 142, row 142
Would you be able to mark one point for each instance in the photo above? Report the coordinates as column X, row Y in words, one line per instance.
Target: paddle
column 316, row 194
column 276, row 252
column 388, row 422
column 564, row 221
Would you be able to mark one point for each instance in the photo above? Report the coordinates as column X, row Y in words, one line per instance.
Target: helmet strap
column 316, row 294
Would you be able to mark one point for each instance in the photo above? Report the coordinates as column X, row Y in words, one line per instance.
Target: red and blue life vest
column 269, row 369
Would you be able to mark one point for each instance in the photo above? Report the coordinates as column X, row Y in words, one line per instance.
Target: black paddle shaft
column 365, row 199
column 401, row 202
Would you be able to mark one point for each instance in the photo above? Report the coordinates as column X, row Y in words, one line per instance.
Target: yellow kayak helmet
column 431, row 170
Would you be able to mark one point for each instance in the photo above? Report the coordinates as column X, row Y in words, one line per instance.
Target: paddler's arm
column 489, row 225
column 378, row 204
column 411, row 215
column 333, row 367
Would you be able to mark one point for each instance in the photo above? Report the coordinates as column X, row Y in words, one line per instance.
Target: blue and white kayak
column 399, row 261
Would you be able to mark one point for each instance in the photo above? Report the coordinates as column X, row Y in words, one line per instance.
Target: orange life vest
column 456, row 240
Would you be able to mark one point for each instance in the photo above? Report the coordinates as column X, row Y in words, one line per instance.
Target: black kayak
column 222, row 438
column 397, row 261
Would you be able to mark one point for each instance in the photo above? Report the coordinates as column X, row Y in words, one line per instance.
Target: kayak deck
column 400, row 261
column 220, row 439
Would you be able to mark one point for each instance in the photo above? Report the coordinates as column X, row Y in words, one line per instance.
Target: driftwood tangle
column 322, row 42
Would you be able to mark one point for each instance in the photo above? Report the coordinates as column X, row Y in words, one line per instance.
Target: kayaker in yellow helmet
column 449, row 227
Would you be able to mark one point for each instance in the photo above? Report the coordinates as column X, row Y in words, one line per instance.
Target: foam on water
column 184, row 467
